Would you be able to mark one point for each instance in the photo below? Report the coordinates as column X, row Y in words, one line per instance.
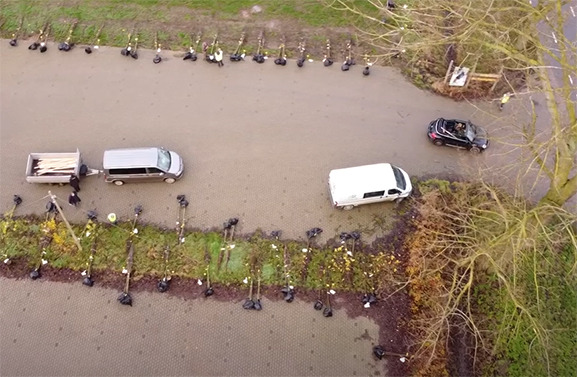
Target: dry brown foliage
column 463, row 230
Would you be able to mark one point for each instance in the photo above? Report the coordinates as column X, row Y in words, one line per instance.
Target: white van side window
column 373, row 194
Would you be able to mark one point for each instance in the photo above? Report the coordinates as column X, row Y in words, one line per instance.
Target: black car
column 458, row 134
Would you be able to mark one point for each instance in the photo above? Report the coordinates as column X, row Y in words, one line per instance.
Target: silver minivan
column 141, row 165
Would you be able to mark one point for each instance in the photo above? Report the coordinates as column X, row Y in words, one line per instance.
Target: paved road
column 56, row 329
column 553, row 42
column 258, row 140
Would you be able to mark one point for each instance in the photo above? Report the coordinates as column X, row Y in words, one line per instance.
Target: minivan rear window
column 400, row 178
column 164, row 159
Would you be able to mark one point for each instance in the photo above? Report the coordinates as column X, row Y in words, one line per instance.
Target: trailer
column 56, row 168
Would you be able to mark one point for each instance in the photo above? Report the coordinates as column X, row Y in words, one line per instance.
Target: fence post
column 448, row 72
column 498, row 79
column 470, row 76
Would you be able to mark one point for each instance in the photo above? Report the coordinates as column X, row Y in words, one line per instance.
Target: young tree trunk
column 559, row 193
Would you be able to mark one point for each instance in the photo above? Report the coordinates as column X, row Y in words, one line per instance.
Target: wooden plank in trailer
column 37, row 174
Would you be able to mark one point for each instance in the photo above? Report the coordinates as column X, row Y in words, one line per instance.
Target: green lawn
column 173, row 19
column 21, row 239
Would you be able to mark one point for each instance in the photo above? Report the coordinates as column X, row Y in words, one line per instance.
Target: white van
column 352, row 187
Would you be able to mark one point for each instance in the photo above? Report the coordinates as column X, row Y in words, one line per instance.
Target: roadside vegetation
column 343, row 264
column 492, row 284
column 177, row 21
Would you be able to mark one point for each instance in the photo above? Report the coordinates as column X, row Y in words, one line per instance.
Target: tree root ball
column 163, row 285
column 318, row 305
column 125, row 299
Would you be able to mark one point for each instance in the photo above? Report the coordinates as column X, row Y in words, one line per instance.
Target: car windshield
column 163, row 160
column 400, row 178
column 471, row 132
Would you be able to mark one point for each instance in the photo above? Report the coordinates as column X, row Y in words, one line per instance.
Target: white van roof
column 360, row 180
column 130, row 158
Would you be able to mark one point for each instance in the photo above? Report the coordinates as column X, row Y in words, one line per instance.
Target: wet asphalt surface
column 258, row 142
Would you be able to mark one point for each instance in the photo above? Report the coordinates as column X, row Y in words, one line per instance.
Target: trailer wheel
column 169, row 180
column 349, row 207
column 118, row 183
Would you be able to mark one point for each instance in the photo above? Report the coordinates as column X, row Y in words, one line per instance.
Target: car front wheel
column 438, row 142
column 475, row 150
column 169, row 180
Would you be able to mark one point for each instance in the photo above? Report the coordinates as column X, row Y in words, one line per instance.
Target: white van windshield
column 164, row 160
column 400, row 178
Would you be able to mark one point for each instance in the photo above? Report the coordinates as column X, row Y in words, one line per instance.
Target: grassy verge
column 517, row 352
column 333, row 265
column 175, row 20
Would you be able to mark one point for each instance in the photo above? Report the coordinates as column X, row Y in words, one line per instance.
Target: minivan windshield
column 400, row 178
column 163, row 160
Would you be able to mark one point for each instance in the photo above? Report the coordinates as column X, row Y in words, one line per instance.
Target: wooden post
column 53, row 198
column 448, row 72
column 471, row 74
column 499, row 79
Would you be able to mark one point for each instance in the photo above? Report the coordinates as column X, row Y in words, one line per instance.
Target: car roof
column 130, row 158
column 361, row 179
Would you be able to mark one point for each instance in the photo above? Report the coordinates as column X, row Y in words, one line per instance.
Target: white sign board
column 459, row 77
